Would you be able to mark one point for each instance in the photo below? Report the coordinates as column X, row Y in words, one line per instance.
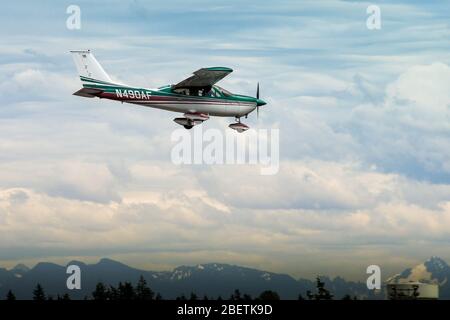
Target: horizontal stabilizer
column 88, row 92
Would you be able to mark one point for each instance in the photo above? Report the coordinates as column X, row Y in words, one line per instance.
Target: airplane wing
column 204, row 77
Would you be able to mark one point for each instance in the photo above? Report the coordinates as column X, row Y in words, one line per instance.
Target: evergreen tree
column 64, row 297
column 181, row 298
column 322, row 293
column 300, row 297
column 112, row 293
column 10, row 296
column 38, row 293
column 143, row 292
column 126, row 291
column 193, row 297
column 269, row 295
column 158, row 297
column 236, row 296
column 247, row 297
column 100, row 293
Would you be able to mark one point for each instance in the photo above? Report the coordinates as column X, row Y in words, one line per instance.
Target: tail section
column 89, row 70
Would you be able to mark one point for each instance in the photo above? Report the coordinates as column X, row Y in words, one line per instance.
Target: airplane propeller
column 257, row 97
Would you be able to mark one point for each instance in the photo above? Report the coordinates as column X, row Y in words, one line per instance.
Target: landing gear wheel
column 188, row 127
column 239, row 126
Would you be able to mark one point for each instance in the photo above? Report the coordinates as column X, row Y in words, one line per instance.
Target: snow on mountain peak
column 266, row 276
column 20, row 268
column 433, row 270
column 437, row 263
column 420, row 273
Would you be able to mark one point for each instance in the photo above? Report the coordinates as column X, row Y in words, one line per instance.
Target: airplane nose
column 260, row 102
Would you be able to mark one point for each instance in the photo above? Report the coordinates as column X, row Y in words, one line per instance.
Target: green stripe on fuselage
column 86, row 79
column 113, row 88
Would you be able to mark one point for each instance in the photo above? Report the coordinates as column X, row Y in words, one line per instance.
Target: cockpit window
column 199, row 92
column 214, row 91
column 182, row 91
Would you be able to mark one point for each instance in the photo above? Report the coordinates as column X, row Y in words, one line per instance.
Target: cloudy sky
column 364, row 136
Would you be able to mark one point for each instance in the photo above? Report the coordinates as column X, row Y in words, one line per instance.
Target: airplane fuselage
column 236, row 105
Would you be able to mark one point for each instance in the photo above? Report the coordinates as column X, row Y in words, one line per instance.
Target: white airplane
column 197, row 97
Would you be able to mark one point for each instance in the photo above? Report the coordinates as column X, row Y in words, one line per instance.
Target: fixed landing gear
column 239, row 126
column 191, row 119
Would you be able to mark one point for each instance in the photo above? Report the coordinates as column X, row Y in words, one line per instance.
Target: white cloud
column 307, row 185
column 407, row 132
column 32, row 84
column 424, row 89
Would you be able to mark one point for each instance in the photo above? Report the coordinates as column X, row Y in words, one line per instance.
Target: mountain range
column 212, row 279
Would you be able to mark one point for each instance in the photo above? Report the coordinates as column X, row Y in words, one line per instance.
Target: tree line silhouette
column 142, row 292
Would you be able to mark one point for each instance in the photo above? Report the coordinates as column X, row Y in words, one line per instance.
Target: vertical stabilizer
column 88, row 67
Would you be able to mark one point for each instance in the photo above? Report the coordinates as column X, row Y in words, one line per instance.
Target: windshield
column 222, row 91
